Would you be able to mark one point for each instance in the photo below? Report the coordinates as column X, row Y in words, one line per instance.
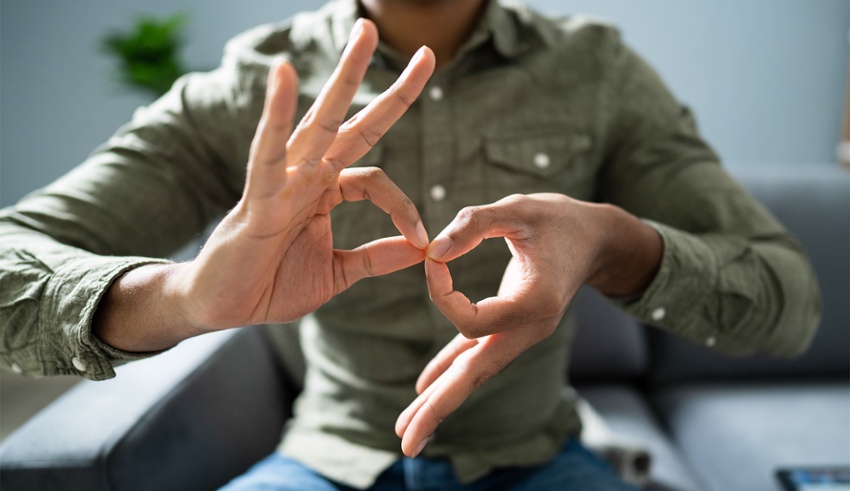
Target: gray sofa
column 201, row 413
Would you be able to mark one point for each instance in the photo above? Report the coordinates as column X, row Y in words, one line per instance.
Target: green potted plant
column 149, row 53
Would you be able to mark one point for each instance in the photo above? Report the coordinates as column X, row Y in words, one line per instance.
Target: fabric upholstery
column 737, row 435
column 189, row 419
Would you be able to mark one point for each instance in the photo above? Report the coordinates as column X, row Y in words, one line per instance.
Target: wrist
column 629, row 253
column 143, row 310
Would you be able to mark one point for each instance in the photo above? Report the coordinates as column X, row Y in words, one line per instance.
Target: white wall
column 765, row 77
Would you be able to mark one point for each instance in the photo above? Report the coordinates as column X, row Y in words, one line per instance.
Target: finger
column 365, row 128
column 406, row 416
column 504, row 218
column 266, row 169
column 320, row 124
column 442, row 361
column 471, row 369
column 379, row 257
column 489, row 316
column 373, row 184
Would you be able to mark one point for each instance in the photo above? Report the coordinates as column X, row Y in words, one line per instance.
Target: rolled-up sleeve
column 731, row 277
column 149, row 190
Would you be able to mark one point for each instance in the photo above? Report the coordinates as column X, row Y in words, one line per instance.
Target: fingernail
column 420, row 447
column 439, row 247
column 356, row 30
column 421, row 236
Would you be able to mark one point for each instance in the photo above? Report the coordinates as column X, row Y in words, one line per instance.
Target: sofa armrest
column 191, row 418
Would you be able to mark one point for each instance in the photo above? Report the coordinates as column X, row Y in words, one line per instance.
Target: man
column 550, row 134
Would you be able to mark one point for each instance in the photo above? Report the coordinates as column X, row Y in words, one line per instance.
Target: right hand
column 271, row 259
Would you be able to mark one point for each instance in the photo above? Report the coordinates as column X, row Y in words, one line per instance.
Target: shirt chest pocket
column 536, row 164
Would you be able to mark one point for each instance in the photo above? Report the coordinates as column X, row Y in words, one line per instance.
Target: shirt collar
column 497, row 23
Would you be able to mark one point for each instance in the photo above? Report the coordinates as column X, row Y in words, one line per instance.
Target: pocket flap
column 538, row 155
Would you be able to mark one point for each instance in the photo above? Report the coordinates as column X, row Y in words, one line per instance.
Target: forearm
column 142, row 311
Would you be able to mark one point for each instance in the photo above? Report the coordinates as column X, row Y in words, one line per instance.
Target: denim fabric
column 574, row 468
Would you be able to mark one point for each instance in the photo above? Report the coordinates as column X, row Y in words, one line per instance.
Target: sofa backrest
column 813, row 202
column 609, row 345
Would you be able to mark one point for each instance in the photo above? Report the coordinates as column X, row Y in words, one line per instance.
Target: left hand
column 557, row 244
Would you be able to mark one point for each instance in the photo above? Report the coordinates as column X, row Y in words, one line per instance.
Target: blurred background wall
column 766, row 79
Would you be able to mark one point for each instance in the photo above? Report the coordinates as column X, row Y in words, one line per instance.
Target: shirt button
column 78, row 364
column 435, row 93
column 17, row 368
column 542, row 161
column 438, row 193
column 658, row 314
column 711, row 341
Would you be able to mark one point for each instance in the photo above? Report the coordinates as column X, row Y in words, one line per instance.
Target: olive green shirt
column 528, row 105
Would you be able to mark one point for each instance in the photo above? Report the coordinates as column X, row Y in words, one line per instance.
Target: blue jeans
column 574, row 468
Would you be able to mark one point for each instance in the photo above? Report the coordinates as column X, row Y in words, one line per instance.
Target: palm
column 305, row 274
column 272, row 258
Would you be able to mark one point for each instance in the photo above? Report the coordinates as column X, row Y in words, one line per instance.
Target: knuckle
column 469, row 330
column 367, row 264
column 438, row 414
column 371, row 177
column 408, row 206
column 335, row 162
column 515, row 199
column 522, row 204
column 399, row 95
column 468, row 214
column 350, row 80
column 369, row 135
column 373, row 174
column 327, row 123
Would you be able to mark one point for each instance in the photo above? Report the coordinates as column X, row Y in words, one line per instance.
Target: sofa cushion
column 736, row 435
column 609, row 345
column 813, row 202
column 190, row 419
column 628, row 416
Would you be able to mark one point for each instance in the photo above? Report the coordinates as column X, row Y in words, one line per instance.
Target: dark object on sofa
column 202, row 413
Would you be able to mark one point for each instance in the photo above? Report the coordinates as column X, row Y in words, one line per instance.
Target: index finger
column 371, row 183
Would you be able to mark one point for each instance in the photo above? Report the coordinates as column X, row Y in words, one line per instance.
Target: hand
column 271, row 259
column 557, row 244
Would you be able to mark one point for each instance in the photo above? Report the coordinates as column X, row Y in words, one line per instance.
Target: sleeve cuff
column 678, row 297
column 66, row 345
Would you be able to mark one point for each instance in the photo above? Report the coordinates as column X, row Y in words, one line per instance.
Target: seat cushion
column 628, row 415
column 736, row 435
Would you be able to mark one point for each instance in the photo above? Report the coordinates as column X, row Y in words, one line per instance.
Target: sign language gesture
column 274, row 252
column 557, row 244
column 271, row 259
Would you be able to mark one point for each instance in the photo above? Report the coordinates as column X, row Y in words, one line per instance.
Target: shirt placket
column 438, row 145
column 438, row 148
